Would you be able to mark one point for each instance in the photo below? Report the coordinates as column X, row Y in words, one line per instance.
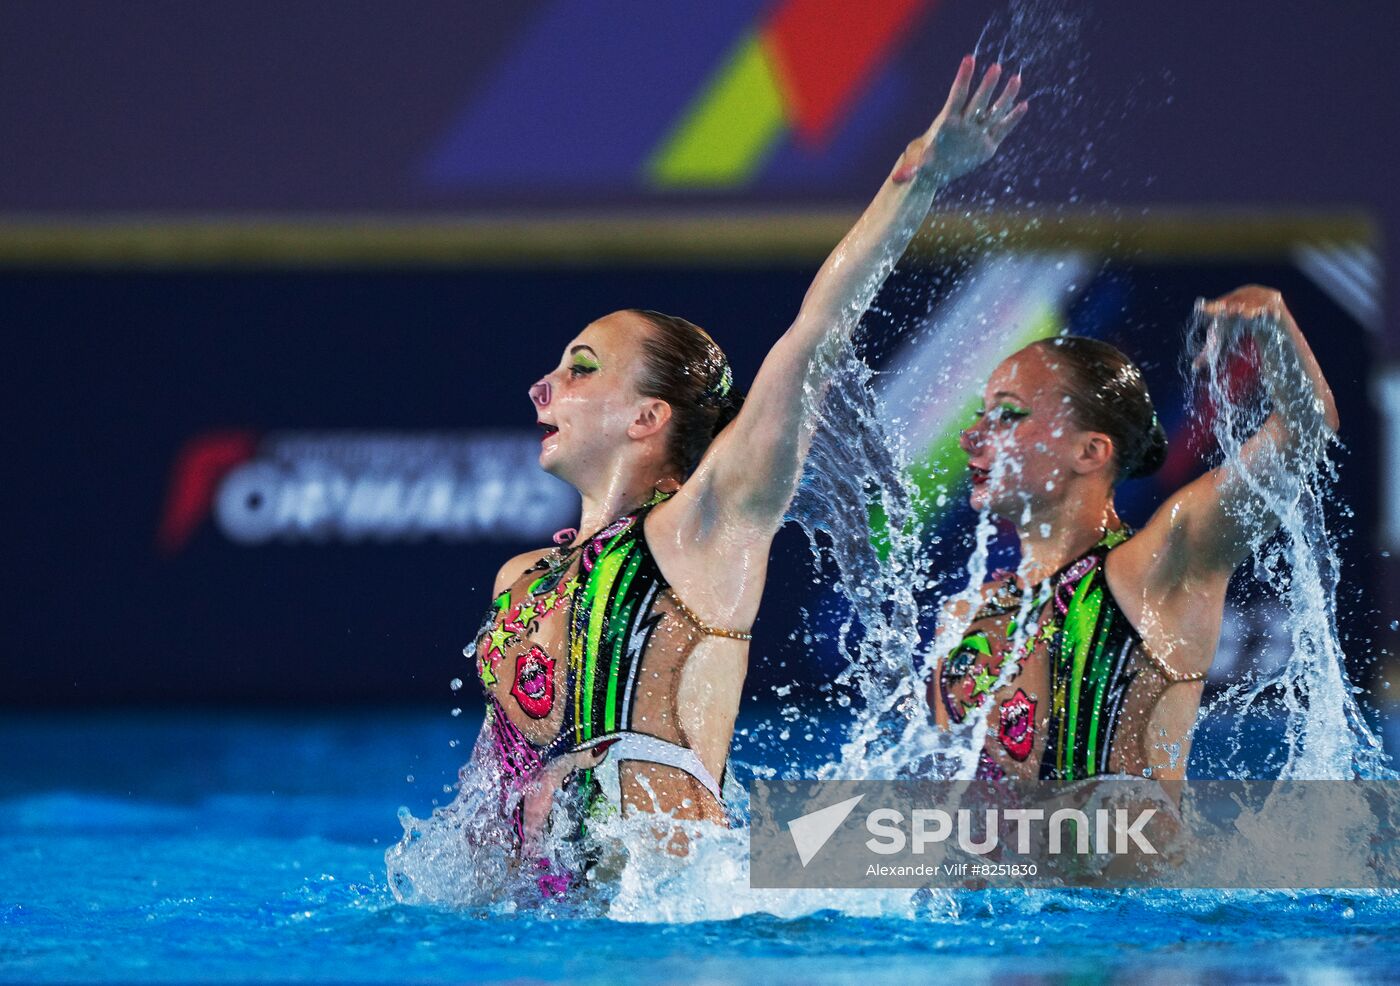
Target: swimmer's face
column 588, row 405
column 1023, row 446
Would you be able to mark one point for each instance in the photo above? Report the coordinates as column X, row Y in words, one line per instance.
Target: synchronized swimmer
column 613, row 663
column 1121, row 627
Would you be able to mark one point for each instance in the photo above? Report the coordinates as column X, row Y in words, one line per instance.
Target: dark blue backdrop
column 116, row 371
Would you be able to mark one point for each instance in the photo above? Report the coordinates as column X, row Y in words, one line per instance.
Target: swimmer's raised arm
column 753, row 467
column 1204, row 532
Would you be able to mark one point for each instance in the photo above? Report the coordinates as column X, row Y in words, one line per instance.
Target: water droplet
column 455, row 684
column 456, row 713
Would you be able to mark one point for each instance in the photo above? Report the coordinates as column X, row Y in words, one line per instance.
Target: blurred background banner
column 323, row 107
column 278, row 277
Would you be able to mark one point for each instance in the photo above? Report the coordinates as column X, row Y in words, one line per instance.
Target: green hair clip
column 726, row 380
column 719, row 390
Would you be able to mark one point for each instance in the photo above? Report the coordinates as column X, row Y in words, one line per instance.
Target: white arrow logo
column 810, row 832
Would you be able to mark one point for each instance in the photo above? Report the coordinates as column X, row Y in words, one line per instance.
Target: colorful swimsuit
column 607, row 669
column 1083, row 666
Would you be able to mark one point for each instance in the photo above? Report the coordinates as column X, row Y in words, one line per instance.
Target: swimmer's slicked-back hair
column 1108, row 394
column 684, row 367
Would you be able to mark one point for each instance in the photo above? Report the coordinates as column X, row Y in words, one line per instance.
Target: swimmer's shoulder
column 517, row 567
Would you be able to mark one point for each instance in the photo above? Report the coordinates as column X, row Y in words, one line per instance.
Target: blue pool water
column 202, row 846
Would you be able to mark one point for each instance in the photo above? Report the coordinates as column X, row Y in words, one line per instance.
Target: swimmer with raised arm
column 613, row 662
column 1121, row 627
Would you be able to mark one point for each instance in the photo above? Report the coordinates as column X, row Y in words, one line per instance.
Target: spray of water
column 859, row 456
column 855, row 460
column 1326, row 735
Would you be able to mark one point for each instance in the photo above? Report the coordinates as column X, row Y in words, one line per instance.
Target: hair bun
column 1154, row 451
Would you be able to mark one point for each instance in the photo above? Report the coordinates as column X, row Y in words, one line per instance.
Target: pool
column 170, row 846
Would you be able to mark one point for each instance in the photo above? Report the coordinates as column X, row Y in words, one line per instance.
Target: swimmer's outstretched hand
column 968, row 131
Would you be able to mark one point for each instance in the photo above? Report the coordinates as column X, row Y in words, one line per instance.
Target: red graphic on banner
column 199, row 467
column 825, row 50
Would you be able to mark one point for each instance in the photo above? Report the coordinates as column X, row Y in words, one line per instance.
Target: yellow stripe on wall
column 602, row 239
column 729, row 131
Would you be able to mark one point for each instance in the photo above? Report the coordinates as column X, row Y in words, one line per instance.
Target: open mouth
column 979, row 476
column 532, row 682
column 533, row 688
column 1017, row 730
column 549, row 429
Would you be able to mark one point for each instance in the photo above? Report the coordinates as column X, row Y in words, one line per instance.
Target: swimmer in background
column 1120, row 627
column 625, row 646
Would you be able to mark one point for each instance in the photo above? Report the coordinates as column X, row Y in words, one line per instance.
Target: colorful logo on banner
column 602, row 95
column 362, row 487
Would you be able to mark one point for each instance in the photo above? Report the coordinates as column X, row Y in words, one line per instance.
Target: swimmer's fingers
column 1004, row 126
column 1224, row 330
column 1232, row 322
column 968, row 130
column 976, row 109
column 1210, row 346
column 1221, row 321
column 962, row 84
column 1251, row 302
column 1007, row 100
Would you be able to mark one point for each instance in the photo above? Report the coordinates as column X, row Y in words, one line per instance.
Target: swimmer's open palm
column 968, row 131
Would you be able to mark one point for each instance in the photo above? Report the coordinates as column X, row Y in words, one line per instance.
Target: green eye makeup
column 1006, row 412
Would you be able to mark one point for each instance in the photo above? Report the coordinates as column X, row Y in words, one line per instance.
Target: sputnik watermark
column 811, row 831
column 1106, row 831
column 1113, row 833
column 931, row 826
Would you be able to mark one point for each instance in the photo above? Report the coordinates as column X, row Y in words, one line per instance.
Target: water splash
column 856, row 460
column 890, row 439
column 1326, row 734
column 861, row 454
